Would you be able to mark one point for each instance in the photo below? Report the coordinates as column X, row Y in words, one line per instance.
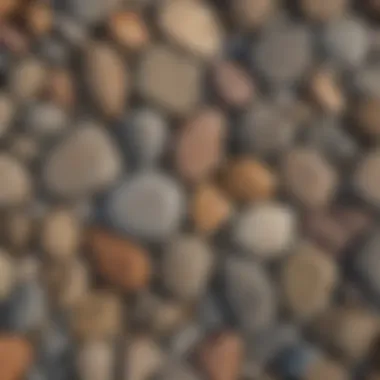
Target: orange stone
column 248, row 180
column 220, row 356
column 7, row 7
column 16, row 356
column 119, row 260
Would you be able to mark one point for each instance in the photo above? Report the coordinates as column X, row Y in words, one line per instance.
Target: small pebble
column 200, row 145
column 162, row 72
column 187, row 266
column 209, row 209
column 39, row 18
column 366, row 178
column 323, row 10
column 149, row 205
column 308, row 279
column 200, row 35
column 144, row 359
column 70, row 173
column 7, row 277
column 250, row 14
column 184, row 342
column 367, row 81
column 27, row 79
column 16, row 357
column 268, row 55
column 95, row 361
column 146, row 135
column 18, row 230
column 16, row 185
column 60, row 88
column 129, row 30
column 309, row 178
column 248, row 180
column 7, row 110
column 120, row 261
column 326, row 369
column 6, row 8
column 220, row 355
column 96, row 316
column 251, row 295
column 60, row 235
column 233, row 84
column 107, row 78
column 266, row 230
column 346, row 42
column 368, row 116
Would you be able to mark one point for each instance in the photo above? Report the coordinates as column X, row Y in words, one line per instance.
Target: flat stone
column 107, row 78
column 266, row 230
column 162, row 72
column 186, row 267
column 250, row 294
column 201, row 34
column 70, row 173
column 149, row 204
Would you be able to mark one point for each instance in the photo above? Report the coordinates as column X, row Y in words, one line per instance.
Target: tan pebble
column 27, row 79
column 19, row 229
column 193, row 26
column 233, row 85
column 97, row 315
column 252, row 13
column 200, row 146
column 351, row 331
column 309, row 178
column 246, row 179
column 107, row 78
column 368, row 116
column 220, row 356
column 60, row 235
column 39, row 18
column 308, row 280
column 16, row 356
column 323, row 10
column 143, row 359
column 209, row 209
column 326, row 369
column 7, row 274
column 61, row 88
column 129, row 30
column 7, row 111
column 119, row 260
column 326, row 92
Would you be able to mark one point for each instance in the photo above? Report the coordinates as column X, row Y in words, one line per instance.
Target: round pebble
column 266, row 230
column 328, row 369
column 251, row 295
column 323, row 10
column 308, row 279
column 69, row 173
column 193, row 26
column 309, row 178
column 60, row 88
column 121, row 262
column 162, row 72
column 16, row 185
column 346, row 42
column 39, row 18
column 60, row 235
column 200, row 145
column 149, row 204
column 250, row 14
column 187, row 266
column 269, row 58
column 107, row 78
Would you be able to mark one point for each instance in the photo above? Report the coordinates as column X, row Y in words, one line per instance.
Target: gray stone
column 86, row 162
column 250, row 294
column 149, row 204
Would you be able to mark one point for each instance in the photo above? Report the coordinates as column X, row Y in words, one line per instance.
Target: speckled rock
column 162, row 72
column 186, row 266
column 250, row 294
column 201, row 34
column 266, row 230
column 149, row 204
column 68, row 173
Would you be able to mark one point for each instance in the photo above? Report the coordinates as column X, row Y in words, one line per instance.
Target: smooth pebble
column 7, row 277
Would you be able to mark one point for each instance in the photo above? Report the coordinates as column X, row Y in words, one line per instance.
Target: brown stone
column 368, row 116
column 246, row 179
column 326, row 369
column 16, row 41
column 16, row 356
column 220, row 356
column 61, row 88
column 200, row 146
column 39, row 18
column 209, row 208
column 7, row 7
column 233, row 85
column 252, row 13
column 323, row 10
column 96, row 316
column 120, row 261
column 129, row 30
